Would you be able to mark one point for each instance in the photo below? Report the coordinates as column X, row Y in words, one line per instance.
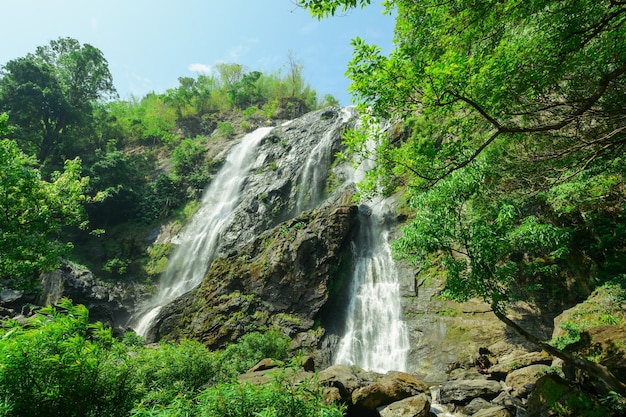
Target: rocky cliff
column 283, row 278
column 282, row 262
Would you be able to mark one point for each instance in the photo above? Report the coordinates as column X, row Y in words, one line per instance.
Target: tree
column 33, row 212
column 49, row 96
column 508, row 109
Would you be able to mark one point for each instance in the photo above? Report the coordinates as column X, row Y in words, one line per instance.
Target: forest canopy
column 508, row 139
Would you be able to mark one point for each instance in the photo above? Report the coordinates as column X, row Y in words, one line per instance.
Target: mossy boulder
column 280, row 279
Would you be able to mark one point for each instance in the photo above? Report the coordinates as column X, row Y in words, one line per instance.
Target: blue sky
column 149, row 44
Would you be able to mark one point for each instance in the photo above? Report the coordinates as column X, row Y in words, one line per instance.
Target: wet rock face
column 107, row 302
column 274, row 186
column 280, row 278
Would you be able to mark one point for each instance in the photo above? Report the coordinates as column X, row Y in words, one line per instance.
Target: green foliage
column 188, row 163
column 174, row 370
column 603, row 307
column 60, row 365
column 115, row 184
column 158, row 258
column 253, row 347
column 233, row 399
column 160, row 197
column 34, row 212
column 50, row 97
column 225, row 129
column 116, row 266
column 511, row 149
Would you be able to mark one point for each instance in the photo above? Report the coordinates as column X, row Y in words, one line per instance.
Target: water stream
column 191, row 259
column 376, row 337
column 312, row 182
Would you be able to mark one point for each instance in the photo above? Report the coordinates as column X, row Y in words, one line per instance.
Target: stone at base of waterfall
column 516, row 360
column 523, row 380
column 265, row 364
column 463, row 391
column 268, row 370
column 346, row 379
column 368, row 390
column 497, row 411
column 392, row 387
column 476, row 405
column 416, row 406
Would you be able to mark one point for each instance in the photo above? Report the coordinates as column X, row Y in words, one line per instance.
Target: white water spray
column 199, row 243
column 312, row 183
column 376, row 337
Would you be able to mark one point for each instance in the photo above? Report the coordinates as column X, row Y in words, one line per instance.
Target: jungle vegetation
column 508, row 141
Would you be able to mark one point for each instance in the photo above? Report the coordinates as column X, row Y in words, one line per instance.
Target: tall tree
column 515, row 129
column 33, row 211
column 50, row 94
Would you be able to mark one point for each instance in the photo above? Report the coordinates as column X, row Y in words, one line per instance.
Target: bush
column 174, row 370
column 58, row 364
column 253, row 347
column 279, row 399
column 160, row 197
column 225, row 129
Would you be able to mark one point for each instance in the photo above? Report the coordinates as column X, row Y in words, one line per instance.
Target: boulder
column 514, row 404
column 553, row 396
column 110, row 303
column 516, row 360
column 415, row 406
column 280, row 279
column 476, row 405
column 346, row 379
column 392, row 387
column 497, row 411
column 523, row 380
column 464, row 391
column 267, row 370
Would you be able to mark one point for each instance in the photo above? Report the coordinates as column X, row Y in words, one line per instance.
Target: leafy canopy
column 49, row 96
column 34, row 212
column 506, row 107
column 509, row 140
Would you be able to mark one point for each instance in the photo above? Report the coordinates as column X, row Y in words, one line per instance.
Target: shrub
column 225, row 129
column 279, row 399
column 57, row 364
column 253, row 347
column 174, row 370
column 160, row 197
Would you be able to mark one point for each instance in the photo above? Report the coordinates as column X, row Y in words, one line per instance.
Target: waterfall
column 199, row 243
column 312, row 182
column 376, row 338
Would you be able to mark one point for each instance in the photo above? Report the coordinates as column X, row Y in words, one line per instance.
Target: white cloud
column 200, row 68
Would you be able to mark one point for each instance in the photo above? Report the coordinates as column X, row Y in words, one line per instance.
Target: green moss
column 157, row 258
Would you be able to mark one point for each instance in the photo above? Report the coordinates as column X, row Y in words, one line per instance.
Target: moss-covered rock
column 280, row 279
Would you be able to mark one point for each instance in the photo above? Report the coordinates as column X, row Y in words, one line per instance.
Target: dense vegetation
column 55, row 363
column 76, row 155
column 509, row 142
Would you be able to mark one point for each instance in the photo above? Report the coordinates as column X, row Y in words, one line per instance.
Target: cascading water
column 312, row 183
column 191, row 259
column 376, row 338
